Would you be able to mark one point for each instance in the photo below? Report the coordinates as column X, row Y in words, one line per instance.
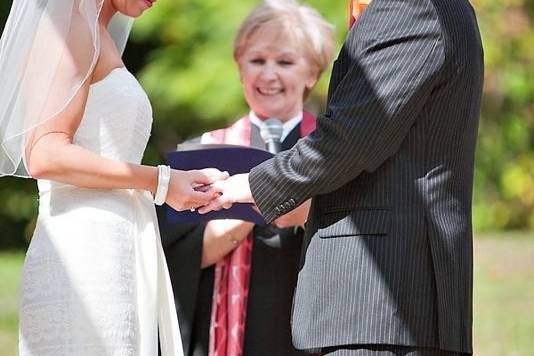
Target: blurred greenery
column 182, row 52
column 504, row 185
column 503, row 297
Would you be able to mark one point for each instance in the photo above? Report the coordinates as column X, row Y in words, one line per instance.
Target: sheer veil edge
column 45, row 57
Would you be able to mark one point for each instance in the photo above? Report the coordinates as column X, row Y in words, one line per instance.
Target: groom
column 388, row 264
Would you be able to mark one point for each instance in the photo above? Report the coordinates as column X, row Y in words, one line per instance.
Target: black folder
column 233, row 159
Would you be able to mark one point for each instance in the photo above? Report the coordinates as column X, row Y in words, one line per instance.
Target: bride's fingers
column 209, row 189
column 203, row 188
column 215, row 205
column 201, row 198
column 206, row 209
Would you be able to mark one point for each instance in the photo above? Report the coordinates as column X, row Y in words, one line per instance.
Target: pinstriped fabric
column 385, row 350
column 389, row 351
column 378, row 225
column 390, row 170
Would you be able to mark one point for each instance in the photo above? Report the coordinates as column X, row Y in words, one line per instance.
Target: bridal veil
column 48, row 50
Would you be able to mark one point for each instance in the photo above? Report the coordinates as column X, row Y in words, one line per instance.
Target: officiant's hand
column 233, row 190
column 182, row 194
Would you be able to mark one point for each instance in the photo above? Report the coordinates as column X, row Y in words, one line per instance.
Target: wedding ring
column 192, row 209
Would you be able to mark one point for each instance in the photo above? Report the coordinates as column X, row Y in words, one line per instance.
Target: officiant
column 281, row 49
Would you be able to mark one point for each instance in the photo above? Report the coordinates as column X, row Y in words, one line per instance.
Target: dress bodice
column 117, row 120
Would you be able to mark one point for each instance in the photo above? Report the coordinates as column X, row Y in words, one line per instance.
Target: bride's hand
column 182, row 194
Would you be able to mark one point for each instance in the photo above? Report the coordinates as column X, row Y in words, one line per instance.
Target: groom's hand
column 232, row 190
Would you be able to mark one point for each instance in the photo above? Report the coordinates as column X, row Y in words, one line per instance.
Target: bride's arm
column 51, row 154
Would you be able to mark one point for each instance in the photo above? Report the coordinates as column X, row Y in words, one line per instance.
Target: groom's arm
column 396, row 56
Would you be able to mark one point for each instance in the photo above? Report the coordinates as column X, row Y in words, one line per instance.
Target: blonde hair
column 312, row 31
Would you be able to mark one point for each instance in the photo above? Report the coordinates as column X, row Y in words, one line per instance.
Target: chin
column 136, row 12
column 268, row 111
column 136, row 9
column 261, row 109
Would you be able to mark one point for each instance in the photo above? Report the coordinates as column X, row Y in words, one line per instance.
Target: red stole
column 232, row 273
column 356, row 9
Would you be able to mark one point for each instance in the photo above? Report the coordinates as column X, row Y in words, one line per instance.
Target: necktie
column 271, row 132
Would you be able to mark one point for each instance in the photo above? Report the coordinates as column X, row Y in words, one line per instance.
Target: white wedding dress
column 95, row 280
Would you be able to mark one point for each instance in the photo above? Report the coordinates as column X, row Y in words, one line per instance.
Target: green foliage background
column 181, row 51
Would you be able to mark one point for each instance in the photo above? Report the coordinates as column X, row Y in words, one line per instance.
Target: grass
column 10, row 268
column 503, row 297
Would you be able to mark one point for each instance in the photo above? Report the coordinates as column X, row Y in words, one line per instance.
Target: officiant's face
column 275, row 73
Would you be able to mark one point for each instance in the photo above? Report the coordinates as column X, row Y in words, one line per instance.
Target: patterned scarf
column 232, row 273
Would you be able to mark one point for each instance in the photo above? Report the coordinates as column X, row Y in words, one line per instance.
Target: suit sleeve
column 394, row 58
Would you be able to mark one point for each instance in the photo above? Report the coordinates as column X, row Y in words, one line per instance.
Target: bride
column 95, row 280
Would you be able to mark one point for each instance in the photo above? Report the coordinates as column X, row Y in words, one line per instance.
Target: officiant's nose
column 269, row 72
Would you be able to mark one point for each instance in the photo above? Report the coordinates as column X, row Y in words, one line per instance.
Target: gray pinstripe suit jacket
column 388, row 256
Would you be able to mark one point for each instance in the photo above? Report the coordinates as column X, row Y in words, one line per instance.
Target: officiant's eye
column 286, row 63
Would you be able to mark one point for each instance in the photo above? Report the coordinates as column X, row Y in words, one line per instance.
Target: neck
column 107, row 12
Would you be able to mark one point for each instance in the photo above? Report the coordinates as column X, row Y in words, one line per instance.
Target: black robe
column 274, row 269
